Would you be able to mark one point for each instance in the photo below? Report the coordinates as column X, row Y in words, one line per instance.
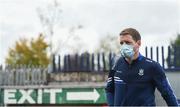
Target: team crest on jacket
column 141, row 72
column 119, row 71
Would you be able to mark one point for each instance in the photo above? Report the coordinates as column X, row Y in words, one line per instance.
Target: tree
column 51, row 20
column 108, row 44
column 173, row 58
column 176, row 41
column 33, row 52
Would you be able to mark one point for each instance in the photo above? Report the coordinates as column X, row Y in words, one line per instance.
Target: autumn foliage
column 29, row 52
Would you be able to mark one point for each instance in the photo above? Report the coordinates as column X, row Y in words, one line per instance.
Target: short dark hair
column 131, row 31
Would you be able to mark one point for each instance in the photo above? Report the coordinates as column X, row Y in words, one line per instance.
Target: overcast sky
column 158, row 21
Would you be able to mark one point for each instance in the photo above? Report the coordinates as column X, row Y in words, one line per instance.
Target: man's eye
column 127, row 42
column 121, row 43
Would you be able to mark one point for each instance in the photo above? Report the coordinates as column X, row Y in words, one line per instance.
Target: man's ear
column 139, row 43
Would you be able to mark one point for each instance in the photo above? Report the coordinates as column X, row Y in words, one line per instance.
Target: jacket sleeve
column 163, row 86
column 110, row 88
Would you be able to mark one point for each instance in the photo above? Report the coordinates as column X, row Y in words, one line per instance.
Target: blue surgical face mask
column 127, row 51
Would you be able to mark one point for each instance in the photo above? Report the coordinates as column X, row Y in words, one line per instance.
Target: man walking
column 133, row 77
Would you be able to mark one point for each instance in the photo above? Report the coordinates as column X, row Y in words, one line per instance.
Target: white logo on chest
column 119, row 71
column 141, row 72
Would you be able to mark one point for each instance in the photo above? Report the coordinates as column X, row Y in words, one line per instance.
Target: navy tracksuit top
column 134, row 84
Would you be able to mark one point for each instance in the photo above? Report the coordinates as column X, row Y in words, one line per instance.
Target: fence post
column 82, row 62
column 8, row 77
column 40, row 75
column 17, row 76
column 151, row 50
column 146, row 51
column 44, row 75
column 54, row 63
column 23, row 70
column 157, row 54
column 4, row 77
column 92, row 63
column 104, row 61
column 33, row 76
column 69, row 63
column 59, row 63
column 110, row 61
column 28, row 75
column 76, row 62
column 175, row 55
column 65, row 63
column 178, row 57
column 87, row 62
column 1, row 76
column 98, row 58
column 162, row 56
column 169, row 57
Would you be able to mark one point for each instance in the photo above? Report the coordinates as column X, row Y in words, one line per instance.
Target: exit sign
column 53, row 96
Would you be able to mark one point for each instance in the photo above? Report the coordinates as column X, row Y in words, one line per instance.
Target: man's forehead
column 126, row 37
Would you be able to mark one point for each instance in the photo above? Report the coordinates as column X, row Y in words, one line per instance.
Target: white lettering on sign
column 52, row 94
column 9, row 96
column 26, row 95
column 40, row 95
